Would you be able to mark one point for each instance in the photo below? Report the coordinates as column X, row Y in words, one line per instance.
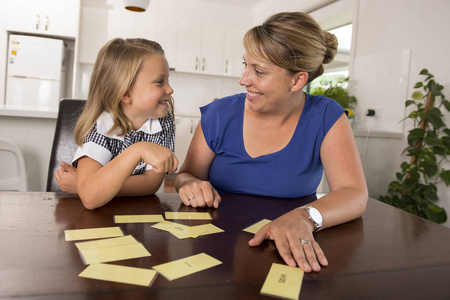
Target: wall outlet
column 374, row 112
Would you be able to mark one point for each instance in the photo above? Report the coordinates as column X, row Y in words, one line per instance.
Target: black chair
column 64, row 145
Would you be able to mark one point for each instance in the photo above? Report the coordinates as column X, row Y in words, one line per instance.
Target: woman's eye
column 258, row 72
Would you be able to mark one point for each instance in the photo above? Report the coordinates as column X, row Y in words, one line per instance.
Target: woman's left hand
column 288, row 231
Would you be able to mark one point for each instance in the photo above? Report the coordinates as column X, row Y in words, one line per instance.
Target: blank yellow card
column 104, row 243
column 283, row 281
column 188, row 215
column 92, row 233
column 196, row 231
column 187, row 266
column 138, row 218
column 257, row 226
column 93, row 256
column 122, row 274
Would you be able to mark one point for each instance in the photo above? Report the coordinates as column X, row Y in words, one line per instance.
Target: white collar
column 106, row 121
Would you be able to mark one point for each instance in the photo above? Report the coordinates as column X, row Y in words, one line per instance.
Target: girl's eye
column 258, row 72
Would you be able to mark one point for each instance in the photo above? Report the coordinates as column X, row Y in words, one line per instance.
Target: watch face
column 316, row 215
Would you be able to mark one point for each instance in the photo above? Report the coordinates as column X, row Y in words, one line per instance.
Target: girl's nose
column 169, row 89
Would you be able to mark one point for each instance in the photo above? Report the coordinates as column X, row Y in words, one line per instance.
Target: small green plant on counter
column 415, row 189
column 336, row 90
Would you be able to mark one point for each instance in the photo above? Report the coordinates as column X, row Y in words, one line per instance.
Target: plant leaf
column 417, row 95
column 435, row 213
column 445, row 174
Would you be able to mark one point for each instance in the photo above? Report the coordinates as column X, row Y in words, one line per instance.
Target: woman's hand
column 288, row 232
column 199, row 193
column 66, row 178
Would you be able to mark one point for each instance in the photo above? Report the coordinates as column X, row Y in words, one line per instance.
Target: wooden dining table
column 385, row 254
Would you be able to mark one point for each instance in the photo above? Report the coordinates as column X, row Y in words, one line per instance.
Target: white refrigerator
column 35, row 71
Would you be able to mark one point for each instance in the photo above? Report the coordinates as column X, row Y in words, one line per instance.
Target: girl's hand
column 66, row 178
column 162, row 159
column 199, row 194
column 288, row 232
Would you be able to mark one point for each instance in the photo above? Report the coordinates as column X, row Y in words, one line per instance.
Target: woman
column 275, row 140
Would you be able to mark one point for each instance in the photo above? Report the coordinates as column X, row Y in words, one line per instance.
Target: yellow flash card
column 179, row 230
column 196, row 231
column 188, row 215
column 105, row 243
column 138, row 218
column 92, row 233
column 187, row 266
column 283, row 281
column 122, row 274
column 257, row 226
column 100, row 255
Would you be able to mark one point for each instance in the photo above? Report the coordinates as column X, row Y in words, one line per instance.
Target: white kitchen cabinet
column 101, row 22
column 200, row 47
column 48, row 17
column 184, row 131
column 233, row 51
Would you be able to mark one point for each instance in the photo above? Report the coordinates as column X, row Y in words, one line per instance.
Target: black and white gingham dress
column 103, row 148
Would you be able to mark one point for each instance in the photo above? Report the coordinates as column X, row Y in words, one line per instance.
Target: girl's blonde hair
column 115, row 69
column 293, row 41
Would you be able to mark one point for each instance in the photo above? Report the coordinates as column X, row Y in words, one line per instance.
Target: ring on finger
column 306, row 241
column 191, row 198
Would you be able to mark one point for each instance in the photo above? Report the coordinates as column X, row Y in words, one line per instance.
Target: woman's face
column 268, row 86
column 150, row 92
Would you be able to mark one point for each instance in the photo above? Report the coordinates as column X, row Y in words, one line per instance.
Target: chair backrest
column 13, row 176
column 64, row 145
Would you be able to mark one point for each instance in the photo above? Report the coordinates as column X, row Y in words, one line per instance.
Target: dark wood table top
column 386, row 254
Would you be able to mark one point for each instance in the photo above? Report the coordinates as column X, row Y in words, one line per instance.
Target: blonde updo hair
column 293, row 41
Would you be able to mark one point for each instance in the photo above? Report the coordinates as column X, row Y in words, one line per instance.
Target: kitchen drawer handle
column 204, row 64
column 46, row 23
column 37, row 22
column 226, row 66
column 196, row 63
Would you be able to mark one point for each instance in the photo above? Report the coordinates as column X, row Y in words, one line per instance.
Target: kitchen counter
column 30, row 112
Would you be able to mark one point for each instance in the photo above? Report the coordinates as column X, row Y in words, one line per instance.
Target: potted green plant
column 415, row 189
column 337, row 90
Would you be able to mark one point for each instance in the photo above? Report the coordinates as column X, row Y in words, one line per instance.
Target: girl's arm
column 137, row 185
column 192, row 182
column 98, row 184
column 140, row 185
column 346, row 201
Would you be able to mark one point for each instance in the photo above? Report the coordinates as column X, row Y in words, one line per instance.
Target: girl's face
column 149, row 95
column 268, row 86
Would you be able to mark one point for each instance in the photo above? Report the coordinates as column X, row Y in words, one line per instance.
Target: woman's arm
column 346, row 201
column 98, row 184
column 192, row 180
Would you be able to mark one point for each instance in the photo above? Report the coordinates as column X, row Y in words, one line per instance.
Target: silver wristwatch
column 314, row 215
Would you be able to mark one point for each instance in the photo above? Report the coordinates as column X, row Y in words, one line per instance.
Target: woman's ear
column 126, row 98
column 300, row 80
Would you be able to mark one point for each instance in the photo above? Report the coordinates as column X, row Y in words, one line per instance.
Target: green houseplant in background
column 415, row 189
column 336, row 88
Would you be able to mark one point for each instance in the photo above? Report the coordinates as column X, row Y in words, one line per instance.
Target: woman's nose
column 244, row 81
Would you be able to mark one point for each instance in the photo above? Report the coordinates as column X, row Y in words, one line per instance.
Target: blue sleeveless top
column 294, row 171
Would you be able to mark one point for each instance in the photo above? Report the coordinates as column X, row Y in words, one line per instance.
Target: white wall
column 389, row 27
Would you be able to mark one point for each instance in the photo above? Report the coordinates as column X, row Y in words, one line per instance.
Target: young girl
column 125, row 127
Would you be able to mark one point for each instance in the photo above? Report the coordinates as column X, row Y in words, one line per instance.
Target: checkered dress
column 165, row 137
